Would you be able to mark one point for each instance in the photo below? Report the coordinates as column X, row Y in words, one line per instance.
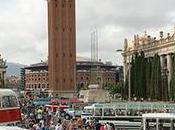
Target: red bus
column 9, row 107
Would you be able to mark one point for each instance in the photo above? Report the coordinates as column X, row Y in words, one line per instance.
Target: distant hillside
column 13, row 68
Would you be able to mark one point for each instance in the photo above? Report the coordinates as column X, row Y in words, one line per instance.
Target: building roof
column 5, row 92
column 80, row 58
column 81, row 61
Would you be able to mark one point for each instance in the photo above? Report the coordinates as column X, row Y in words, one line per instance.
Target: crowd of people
column 42, row 118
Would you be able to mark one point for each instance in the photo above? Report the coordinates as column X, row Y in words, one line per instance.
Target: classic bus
column 9, row 107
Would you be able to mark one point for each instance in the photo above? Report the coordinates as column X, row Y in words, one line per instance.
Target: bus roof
column 11, row 128
column 88, row 107
column 159, row 116
column 135, row 105
column 6, row 92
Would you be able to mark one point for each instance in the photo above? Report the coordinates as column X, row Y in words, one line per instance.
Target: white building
column 164, row 47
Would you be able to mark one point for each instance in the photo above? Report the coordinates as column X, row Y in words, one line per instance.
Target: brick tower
column 62, row 46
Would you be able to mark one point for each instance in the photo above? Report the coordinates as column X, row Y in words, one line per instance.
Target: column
column 169, row 67
column 162, row 59
column 129, row 79
column 125, row 69
column 165, row 89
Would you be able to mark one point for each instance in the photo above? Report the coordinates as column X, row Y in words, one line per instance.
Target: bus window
column 98, row 112
column 109, row 112
column 14, row 102
column 88, row 111
column 9, row 101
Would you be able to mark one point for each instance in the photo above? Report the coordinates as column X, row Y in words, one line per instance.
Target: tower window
column 56, row 54
column 63, row 5
column 39, row 86
column 64, row 54
column 63, row 29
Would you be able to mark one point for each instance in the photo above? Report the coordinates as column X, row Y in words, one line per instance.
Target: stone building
column 62, row 46
column 13, row 82
column 3, row 67
column 164, row 46
column 36, row 75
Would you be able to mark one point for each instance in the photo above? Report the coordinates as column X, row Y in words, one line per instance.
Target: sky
column 23, row 26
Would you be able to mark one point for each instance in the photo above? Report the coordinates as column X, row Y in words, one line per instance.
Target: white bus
column 9, row 107
column 100, row 110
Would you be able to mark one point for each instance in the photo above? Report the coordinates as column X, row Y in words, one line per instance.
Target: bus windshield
column 9, row 101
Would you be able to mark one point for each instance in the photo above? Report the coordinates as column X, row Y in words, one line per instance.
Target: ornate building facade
column 3, row 67
column 150, row 46
column 36, row 75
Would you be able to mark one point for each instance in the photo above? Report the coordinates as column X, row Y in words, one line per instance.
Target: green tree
column 115, row 88
column 156, row 86
column 148, row 72
column 146, row 79
column 142, row 75
column 132, row 76
column 136, row 75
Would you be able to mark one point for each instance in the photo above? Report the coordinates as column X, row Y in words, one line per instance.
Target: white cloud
column 23, row 26
column 23, row 31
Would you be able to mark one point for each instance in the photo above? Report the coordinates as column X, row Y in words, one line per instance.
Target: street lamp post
column 129, row 81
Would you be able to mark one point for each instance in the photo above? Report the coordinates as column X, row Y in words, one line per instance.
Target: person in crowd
column 107, row 126
column 112, row 126
column 80, row 122
column 102, row 127
column 59, row 125
column 72, row 125
column 97, row 125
